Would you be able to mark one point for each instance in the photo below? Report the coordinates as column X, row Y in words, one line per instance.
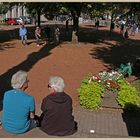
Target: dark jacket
column 57, row 115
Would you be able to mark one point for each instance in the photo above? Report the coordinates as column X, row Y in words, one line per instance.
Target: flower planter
column 95, row 92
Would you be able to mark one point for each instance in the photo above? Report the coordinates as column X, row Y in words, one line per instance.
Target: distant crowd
column 126, row 29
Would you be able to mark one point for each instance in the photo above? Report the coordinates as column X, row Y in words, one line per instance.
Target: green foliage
column 3, row 23
column 86, row 79
column 136, row 84
column 4, row 8
column 90, row 94
column 128, row 96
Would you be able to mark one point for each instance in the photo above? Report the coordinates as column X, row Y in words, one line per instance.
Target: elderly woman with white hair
column 18, row 106
column 56, row 109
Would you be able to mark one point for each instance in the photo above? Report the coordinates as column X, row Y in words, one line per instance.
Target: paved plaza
column 98, row 51
column 106, row 123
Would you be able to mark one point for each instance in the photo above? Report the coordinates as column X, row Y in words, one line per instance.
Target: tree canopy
column 94, row 9
column 4, row 8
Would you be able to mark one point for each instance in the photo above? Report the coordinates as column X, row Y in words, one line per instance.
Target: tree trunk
column 16, row 10
column 75, row 21
column 75, row 29
column 75, row 14
column 10, row 11
column 74, row 37
column 38, row 17
column 22, row 10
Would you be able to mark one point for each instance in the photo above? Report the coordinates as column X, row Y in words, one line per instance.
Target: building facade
column 16, row 11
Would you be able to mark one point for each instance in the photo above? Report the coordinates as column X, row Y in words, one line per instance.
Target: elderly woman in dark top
column 57, row 110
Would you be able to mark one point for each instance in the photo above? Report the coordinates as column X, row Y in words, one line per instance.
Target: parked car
column 19, row 20
column 11, row 21
column 26, row 19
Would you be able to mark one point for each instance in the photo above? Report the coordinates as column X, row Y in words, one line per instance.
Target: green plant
column 90, row 94
column 136, row 84
column 128, row 96
column 3, row 23
column 86, row 79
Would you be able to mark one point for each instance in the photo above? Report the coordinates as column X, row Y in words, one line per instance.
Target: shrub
column 3, row 23
column 136, row 84
column 128, row 96
column 90, row 93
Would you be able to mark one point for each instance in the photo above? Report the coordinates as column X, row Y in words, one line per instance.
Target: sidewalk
column 107, row 123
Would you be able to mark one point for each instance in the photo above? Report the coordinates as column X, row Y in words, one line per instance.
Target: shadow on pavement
column 86, row 34
column 26, row 65
column 132, row 121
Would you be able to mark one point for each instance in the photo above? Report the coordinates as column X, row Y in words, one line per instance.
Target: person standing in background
column 37, row 35
column 23, row 34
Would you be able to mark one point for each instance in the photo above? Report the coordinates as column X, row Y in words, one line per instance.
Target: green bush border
column 91, row 94
column 128, row 96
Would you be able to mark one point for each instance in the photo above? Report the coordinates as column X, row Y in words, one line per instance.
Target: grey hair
column 18, row 79
column 57, row 83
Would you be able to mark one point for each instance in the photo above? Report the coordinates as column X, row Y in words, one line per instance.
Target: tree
column 75, row 10
column 53, row 9
column 35, row 9
column 4, row 8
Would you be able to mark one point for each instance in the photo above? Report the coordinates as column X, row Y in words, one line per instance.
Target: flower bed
column 108, row 79
column 91, row 91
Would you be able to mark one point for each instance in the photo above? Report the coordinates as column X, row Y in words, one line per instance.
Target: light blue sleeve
column 32, row 104
column 19, row 32
column 25, row 31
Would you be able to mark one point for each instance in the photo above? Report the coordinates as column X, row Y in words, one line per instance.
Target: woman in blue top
column 23, row 34
column 18, row 107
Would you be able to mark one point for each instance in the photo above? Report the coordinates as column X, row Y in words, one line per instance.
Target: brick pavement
column 107, row 123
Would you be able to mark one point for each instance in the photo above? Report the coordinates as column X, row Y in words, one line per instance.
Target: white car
column 19, row 20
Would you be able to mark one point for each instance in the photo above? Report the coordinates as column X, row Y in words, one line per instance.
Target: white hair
column 18, row 79
column 57, row 83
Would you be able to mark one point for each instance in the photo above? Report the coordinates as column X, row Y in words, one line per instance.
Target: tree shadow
column 132, row 120
column 86, row 34
column 6, row 46
column 26, row 65
column 92, row 35
column 123, row 52
column 9, row 35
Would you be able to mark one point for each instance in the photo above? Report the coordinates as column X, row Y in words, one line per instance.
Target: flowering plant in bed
column 108, row 79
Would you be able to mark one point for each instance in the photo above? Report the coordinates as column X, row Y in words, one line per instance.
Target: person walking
column 122, row 28
column 38, row 35
column 67, row 26
column 126, row 33
column 57, row 34
column 112, row 26
column 133, row 29
column 23, row 34
column 97, row 23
